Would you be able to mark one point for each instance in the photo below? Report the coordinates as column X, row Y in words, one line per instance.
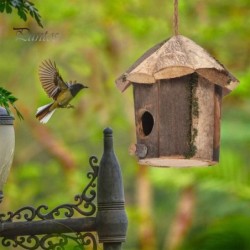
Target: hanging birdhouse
column 177, row 89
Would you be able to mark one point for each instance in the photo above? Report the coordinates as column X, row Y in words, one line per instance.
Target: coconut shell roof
column 176, row 57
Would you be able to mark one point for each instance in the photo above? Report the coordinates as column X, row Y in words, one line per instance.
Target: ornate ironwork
column 85, row 206
column 38, row 228
column 84, row 203
column 52, row 241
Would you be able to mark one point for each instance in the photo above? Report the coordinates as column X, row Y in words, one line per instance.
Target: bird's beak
column 85, row 87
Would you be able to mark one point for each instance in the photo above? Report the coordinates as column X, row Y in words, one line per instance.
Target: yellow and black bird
column 62, row 92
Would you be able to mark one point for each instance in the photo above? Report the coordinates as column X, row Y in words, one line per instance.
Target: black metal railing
column 40, row 228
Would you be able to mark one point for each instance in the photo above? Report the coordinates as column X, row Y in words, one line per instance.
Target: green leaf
column 7, row 98
column 22, row 14
column 23, row 7
column 8, row 8
column 29, row 6
column 18, row 112
column 7, row 109
column 15, row 3
column 12, row 99
column 38, row 19
column 2, row 6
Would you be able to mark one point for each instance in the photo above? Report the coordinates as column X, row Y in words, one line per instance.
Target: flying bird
column 62, row 92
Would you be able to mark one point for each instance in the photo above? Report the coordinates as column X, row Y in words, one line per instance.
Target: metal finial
column 111, row 216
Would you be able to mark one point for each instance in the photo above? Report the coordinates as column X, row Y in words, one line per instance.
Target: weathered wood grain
column 174, row 114
column 217, row 118
column 175, row 161
column 204, row 123
column 146, row 99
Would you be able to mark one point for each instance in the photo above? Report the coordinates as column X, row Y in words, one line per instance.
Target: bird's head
column 75, row 88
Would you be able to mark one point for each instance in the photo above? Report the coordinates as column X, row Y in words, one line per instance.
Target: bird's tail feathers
column 43, row 113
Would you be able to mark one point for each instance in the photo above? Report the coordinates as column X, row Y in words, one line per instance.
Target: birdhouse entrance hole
column 147, row 121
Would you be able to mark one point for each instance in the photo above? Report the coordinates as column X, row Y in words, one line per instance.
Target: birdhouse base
column 176, row 162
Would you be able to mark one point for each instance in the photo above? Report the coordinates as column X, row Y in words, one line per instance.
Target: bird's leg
column 69, row 106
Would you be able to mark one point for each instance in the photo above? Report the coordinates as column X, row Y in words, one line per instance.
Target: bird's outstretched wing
column 50, row 79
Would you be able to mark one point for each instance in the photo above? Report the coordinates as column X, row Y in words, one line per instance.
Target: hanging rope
column 176, row 18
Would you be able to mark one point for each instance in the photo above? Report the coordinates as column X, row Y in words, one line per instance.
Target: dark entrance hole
column 147, row 123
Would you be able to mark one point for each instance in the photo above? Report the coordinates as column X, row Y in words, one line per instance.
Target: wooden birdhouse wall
column 174, row 110
column 146, row 117
column 206, row 124
column 178, row 119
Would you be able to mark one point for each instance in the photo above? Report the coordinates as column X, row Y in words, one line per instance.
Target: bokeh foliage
column 93, row 42
column 23, row 7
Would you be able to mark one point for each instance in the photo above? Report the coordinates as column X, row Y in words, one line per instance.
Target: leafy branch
column 23, row 7
column 7, row 99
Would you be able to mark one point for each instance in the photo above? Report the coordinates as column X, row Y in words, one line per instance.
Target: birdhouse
column 177, row 89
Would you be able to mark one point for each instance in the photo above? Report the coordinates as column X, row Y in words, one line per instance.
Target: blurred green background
column 96, row 41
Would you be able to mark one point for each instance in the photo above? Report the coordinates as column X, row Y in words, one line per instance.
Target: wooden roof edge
column 222, row 78
column 229, row 81
column 121, row 81
column 228, row 89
